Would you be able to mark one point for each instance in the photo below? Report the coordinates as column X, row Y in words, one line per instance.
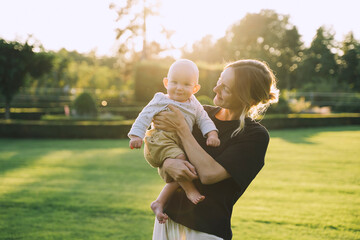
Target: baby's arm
column 143, row 121
column 135, row 141
column 212, row 139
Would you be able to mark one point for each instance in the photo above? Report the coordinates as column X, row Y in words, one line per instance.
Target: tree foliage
column 350, row 62
column 319, row 69
column 324, row 66
column 132, row 19
column 18, row 60
column 75, row 70
column 85, row 105
column 266, row 35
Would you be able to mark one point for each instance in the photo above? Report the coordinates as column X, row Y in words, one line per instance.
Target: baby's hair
column 255, row 86
column 182, row 62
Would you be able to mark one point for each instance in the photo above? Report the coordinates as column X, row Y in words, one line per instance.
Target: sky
column 85, row 25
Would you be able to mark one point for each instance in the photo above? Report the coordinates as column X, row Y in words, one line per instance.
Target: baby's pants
column 160, row 145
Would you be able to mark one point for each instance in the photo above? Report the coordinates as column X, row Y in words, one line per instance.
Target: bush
column 205, row 100
column 85, row 105
column 282, row 106
column 349, row 104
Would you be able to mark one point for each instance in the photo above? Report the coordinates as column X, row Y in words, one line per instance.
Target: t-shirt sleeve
column 244, row 158
column 203, row 120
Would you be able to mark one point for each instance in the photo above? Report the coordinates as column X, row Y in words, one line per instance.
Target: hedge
column 128, row 112
column 149, row 79
column 305, row 122
column 119, row 129
column 64, row 129
column 31, row 113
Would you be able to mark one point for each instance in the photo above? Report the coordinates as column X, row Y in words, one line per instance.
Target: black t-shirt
column 242, row 156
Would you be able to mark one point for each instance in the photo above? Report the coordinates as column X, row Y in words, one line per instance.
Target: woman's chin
column 217, row 101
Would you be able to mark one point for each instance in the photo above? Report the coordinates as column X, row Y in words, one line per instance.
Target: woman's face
column 224, row 89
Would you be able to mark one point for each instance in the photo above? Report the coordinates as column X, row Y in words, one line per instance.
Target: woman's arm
column 209, row 171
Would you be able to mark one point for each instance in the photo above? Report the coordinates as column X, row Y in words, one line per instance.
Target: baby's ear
column 196, row 88
column 165, row 81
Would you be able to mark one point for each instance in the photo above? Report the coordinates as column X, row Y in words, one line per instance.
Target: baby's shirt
column 192, row 109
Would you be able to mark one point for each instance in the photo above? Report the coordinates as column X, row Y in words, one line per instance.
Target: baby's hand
column 213, row 139
column 135, row 142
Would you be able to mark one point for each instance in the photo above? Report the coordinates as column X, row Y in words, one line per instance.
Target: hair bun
column 274, row 96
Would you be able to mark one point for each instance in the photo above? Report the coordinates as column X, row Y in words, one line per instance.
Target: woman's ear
column 196, row 88
column 165, row 81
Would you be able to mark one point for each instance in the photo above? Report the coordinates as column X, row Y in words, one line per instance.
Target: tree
column 203, row 50
column 318, row 71
column 16, row 62
column 266, row 36
column 57, row 77
column 350, row 63
column 270, row 37
column 132, row 19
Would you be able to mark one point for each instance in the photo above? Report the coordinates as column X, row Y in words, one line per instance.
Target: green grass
column 100, row 189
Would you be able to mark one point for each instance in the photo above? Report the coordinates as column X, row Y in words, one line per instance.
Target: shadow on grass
column 24, row 152
column 96, row 195
column 304, row 135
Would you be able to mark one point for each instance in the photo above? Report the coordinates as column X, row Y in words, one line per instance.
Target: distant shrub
column 85, row 105
column 282, row 106
column 299, row 105
column 349, row 104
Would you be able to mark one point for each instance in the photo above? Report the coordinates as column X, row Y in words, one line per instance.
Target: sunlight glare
column 12, row 180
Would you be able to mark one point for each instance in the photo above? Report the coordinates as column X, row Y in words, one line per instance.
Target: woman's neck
column 228, row 114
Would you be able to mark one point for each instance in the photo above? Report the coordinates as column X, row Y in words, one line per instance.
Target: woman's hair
column 255, row 87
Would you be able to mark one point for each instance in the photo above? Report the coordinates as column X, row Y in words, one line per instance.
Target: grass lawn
column 100, row 189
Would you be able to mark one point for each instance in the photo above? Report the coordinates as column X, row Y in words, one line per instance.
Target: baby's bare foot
column 195, row 197
column 158, row 209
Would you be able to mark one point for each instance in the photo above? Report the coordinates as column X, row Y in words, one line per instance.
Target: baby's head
column 182, row 80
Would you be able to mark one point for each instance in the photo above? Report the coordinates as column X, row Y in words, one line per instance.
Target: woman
column 245, row 89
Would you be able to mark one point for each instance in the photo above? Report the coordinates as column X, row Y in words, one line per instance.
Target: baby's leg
column 158, row 205
column 191, row 192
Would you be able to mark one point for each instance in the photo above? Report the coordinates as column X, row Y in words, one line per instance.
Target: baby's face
column 181, row 86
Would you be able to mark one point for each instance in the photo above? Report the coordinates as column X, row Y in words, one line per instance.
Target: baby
column 181, row 84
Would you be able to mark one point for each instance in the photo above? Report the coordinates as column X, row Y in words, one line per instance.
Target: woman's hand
column 170, row 121
column 180, row 170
